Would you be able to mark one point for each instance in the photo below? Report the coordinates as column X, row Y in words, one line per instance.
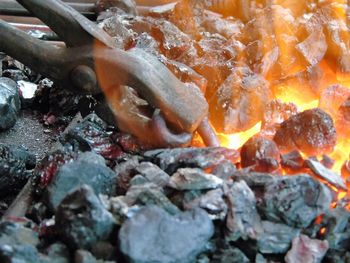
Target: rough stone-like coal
column 15, row 165
column 82, row 220
column 261, row 153
column 311, row 131
column 88, row 169
column 9, row 103
column 152, row 235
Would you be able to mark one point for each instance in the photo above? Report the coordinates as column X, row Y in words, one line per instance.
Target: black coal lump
column 82, row 220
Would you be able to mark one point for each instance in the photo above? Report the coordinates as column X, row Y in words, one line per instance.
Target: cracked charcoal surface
column 92, row 135
column 150, row 194
column 213, row 202
column 82, row 220
column 171, row 159
column 311, row 132
column 88, row 169
column 295, row 200
column 194, row 179
column 243, row 220
column 152, row 235
column 9, row 103
column 153, row 173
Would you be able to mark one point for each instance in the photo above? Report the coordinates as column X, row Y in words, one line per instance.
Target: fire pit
column 175, row 131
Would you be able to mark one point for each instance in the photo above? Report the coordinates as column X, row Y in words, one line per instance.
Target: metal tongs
column 90, row 63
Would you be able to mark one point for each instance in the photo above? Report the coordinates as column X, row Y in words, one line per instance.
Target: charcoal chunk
column 306, row 250
column 88, row 169
column 152, row 235
column 295, row 200
column 194, row 179
column 311, row 132
column 243, row 220
column 275, row 238
column 91, row 135
column 261, row 153
column 82, row 219
column 213, row 202
column 153, row 173
column 9, row 103
column 150, row 194
column 293, row 160
column 14, row 162
column 170, row 160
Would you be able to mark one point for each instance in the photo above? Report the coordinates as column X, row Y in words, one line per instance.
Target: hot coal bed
column 84, row 191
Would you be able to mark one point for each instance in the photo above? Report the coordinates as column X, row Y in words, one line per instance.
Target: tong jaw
column 91, row 50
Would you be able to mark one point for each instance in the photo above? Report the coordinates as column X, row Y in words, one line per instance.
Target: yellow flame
column 235, row 141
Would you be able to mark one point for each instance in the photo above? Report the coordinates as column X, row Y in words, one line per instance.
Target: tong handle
column 29, row 50
column 71, row 26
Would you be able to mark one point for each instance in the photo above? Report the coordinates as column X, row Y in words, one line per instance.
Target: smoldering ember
column 175, row 131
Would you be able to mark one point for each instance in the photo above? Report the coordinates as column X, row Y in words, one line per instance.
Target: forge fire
column 153, row 131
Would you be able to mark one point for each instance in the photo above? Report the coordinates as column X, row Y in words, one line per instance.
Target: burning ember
column 131, row 177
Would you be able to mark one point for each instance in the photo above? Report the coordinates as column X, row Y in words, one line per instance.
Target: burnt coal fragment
column 150, row 194
column 153, row 173
column 311, row 132
column 293, row 161
column 213, row 202
column 240, row 101
column 275, row 238
column 88, row 169
column 82, row 220
column 326, row 174
column 295, row 200
column 305, row 249
column 194, row 179
column 170, row 160
column 9, row 103
column 15, row 163
column 47, row 168
column 152, row 235
column 92, row 135
column 243, row 220
column 261, row 153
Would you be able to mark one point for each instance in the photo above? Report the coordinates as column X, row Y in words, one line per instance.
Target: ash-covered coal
column 152, row 235
column 311, row 132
